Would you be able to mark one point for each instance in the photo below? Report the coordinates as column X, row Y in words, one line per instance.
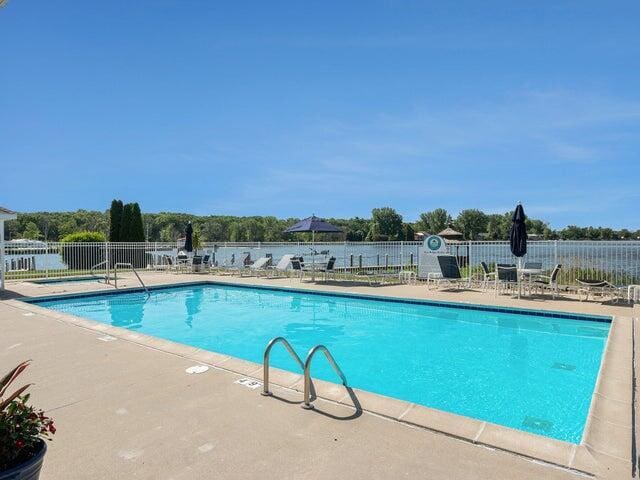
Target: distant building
column 451, row 235
column 420, row 236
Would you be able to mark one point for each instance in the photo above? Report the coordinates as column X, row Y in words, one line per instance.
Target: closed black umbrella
column 188, row 241
column 518, row 237
column 518, row 233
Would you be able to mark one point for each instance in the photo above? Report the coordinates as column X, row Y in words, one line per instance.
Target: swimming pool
column 527, row 370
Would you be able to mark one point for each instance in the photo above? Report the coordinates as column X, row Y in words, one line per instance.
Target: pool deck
column 125, row 408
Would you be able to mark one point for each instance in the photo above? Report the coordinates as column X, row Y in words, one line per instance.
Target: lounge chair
column 595, row 287
column 547, row 282
column 257, row 267
column 449, row 274
column 281, row 267
column 506, row 277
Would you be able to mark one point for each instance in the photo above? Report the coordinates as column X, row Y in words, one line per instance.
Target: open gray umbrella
column 188, row 241
column 313, row 224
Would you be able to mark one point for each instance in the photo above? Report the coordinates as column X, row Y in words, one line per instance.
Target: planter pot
column 29, row 470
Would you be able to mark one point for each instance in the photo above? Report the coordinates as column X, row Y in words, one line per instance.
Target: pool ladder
column 306, row 367
column 129, row 265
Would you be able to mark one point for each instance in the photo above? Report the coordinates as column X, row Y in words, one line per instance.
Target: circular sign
column 434, row 244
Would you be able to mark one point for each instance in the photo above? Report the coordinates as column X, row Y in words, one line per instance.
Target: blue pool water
column 530, row 372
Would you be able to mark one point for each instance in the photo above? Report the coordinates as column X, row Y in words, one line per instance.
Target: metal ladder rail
column 307, row 372
column 92, row 270
column 265, row 362
column 122, row 264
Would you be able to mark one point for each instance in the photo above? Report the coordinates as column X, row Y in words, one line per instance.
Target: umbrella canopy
column 188, row 241
column 518, row 233
column 313, row 224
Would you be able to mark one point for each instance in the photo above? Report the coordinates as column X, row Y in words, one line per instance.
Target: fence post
column 401, row 253
column 46, row 259
column 107, row 259
column 555, row 252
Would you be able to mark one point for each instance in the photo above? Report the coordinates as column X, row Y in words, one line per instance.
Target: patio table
column 528, row 273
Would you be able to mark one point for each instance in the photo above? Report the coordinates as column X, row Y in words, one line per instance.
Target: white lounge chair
column 281, row 267
column 257, row 267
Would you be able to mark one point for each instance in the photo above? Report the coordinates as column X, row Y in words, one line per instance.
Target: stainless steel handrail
column 265, row 361
column 307, row 372
column 122, row 264
column 106, row 279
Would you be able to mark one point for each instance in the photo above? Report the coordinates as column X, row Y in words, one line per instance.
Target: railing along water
column 615, row 261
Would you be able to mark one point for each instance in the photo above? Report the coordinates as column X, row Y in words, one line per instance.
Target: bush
column 84, row 237
column 83, row 257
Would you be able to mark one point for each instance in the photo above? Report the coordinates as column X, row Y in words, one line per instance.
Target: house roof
column 6, row 214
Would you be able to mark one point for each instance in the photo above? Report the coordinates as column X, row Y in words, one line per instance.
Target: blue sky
column 289, row 108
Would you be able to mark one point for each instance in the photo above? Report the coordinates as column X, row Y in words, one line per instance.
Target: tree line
column 126, row 223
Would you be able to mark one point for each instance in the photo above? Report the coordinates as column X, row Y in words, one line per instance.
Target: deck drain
column 537, row 423
column 197, row 369
column 563, row 366
column 28, row 314
column 249, row 383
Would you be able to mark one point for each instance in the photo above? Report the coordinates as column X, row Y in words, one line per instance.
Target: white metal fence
column 615, row 261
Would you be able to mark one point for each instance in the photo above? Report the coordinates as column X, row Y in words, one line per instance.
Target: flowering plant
column 22, row 426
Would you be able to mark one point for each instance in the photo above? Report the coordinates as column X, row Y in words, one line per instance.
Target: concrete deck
column 126, row 408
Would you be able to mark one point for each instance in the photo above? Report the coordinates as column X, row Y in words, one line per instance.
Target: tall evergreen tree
column 126, row 230
column 115, row 220
column 137, row 228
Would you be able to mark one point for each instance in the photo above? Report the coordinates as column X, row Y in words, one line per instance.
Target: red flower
column 19, row 443
column 52, row 429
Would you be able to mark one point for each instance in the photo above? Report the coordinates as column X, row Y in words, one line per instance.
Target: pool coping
column 596, row 455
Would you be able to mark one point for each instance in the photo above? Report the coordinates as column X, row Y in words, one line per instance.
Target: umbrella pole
column 313, row 256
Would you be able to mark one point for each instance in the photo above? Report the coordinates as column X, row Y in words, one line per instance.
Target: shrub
column 83, row 257
column 22, row 426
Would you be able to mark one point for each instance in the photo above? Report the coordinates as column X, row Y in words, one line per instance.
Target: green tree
column 434, row 221
column 126, row 226
column 471, row 223
column 389, row 223
column 408, row 233
column 32, row 232
column 115, row 220
column 137, row 227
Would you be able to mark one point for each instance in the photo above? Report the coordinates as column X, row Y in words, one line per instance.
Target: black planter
column 29, row 470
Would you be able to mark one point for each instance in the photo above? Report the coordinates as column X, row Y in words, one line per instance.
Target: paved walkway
column 128, row 411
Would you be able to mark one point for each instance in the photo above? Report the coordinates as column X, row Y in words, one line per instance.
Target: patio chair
column 182, row 261
column 297, row 266
column 506, row 277
column 329, row 270
column 449, row 273
column 196, row 263
column 547, row 282
column 589, row 286
column 487, row 275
